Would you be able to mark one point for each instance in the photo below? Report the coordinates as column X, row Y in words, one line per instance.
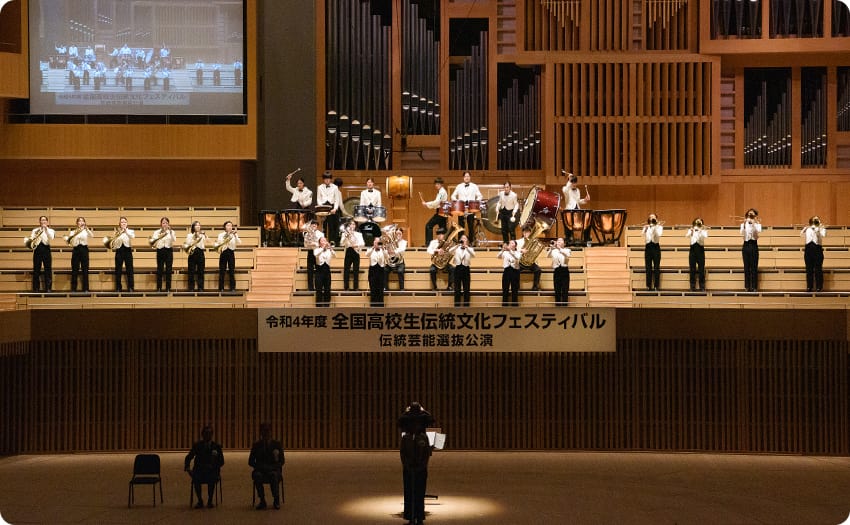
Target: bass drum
column 370, row 231
column 490, row 218
column 540, row 206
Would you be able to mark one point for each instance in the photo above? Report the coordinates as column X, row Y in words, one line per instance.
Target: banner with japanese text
column 427, row 329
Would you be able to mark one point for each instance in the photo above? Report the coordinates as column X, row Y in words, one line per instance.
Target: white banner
column 427, row 329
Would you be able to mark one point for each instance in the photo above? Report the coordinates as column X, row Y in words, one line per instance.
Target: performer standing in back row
column 652, row 231
column 462, row 255
column 323, row 254
column 750, row 230
column 328, row 194
column 813, row 256
column 572, row 194
column 163, row 241
column 467, row 191
column 696, row 256
column 436, row 220
column 352, row 241
column 302, row 197
column 510, row 273
column 507, row 208
column 559, row 254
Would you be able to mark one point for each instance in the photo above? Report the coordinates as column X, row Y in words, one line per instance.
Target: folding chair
column 145, row 472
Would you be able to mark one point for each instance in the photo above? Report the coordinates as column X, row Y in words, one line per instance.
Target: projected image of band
column 159, row 57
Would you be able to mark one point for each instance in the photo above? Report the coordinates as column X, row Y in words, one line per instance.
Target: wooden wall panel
column 13, row 57
column 652, row 394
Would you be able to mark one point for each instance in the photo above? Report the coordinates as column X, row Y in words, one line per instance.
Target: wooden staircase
column 273, row 277
column 608, row 276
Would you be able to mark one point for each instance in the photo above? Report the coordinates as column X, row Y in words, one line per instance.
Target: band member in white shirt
column 697, row 234
column 377, row 263
column 467, row 191
column 123, row 246
column 652, row 231
column 559, row 254
column 78, row 239
column 163, row 241
column 302, row 197
column 395, row 260
column 227, row 241
column 507, row 209
column 41, row 256
column 750, row 230
column 370, row 196
column 312, row 235
column 352, row 241
column 323, row 254
column 572, row 194
column 813, row 255
column 435, row 248
column 510, row 273
column 436, row 220
column 328, row 194
column 534, row 269
column 195, row 245
column 462, row 255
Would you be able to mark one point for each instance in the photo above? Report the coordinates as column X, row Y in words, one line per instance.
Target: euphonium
column 32, row 241
column 441, row 260
column 533, row 247
column 388, row 237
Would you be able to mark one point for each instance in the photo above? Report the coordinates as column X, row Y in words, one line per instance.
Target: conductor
column 415, row 451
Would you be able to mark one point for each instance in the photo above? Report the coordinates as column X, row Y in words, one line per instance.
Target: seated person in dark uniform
column 267, row 460
column 209, row 459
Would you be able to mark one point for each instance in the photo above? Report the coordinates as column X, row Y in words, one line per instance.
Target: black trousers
column 750, row 254
column 80, row 267
column 696, row 265
column 398, row 270
column 323, row 285
column 535, row 270
column 42, row 258
column 435, row 220
column 462, row 285
column 508, row 227
column 813, row 256
column 204, row 478
column 468, row 223
column 561, row 278
column 197, row 263
column 227, row 263
column 652, row 261
column 124, row 257
column 164, row 264
column 331, row 228
column 272, row 478
column 415, row 482
column 351, row 268
column 311, row 269
column 376, row 285
column 510, row 287
column 449, row 269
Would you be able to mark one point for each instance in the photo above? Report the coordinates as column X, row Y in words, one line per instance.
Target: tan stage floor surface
column 472, row 487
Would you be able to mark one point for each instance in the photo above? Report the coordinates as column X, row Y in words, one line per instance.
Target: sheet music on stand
column 436, row 438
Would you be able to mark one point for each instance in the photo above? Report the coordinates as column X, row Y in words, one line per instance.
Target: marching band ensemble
column 451, row 251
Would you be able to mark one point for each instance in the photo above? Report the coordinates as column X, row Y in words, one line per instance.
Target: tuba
column 441, row 260
column 388, row 237
column 533, row 247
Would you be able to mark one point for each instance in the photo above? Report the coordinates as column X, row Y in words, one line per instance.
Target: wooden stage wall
column 659, row 391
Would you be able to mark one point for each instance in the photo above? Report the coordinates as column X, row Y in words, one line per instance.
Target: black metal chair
column 146, row 471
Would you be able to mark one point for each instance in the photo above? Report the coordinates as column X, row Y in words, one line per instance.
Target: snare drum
column 444, row 209
column 323, row 210
column 361, row 213
column 379, row 214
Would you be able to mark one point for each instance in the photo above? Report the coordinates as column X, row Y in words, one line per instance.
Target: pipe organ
column 468, row 120
column 420, row 40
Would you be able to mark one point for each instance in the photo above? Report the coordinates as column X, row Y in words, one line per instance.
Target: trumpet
column 32, row 241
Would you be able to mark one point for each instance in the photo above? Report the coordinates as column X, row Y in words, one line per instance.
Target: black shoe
column 276, row 504
column 130, row 290
column 808, row 290
column 535, row 288
column 199, row 505
column 210, row 504
column 261, row 505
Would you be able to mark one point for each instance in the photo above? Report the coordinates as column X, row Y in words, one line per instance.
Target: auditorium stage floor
column 472, row 487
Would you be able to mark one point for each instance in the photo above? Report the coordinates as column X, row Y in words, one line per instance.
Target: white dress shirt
column 520, row 243
column 190, row 240
column 573, row 196
column 231, row 245
column 303, row 196
column 43, row 237
column 353, row 240
column 559, row 257
column 124, row 239
column 652, row 233
column 324, row 255
column 81, row 239
column 750, row 231
column 462, row 256
column 814, row 234
column 507, row 202
column 317, row 234
column 370, row 197
column 167, row 241
column 433, row 246
column 467, row 191
column 329, row 194
column 377, row 256
column 510, row 258
column 442, row 196
column 697, row 236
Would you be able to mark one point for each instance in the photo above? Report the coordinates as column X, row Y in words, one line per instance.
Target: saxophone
column 533, row 247
column 441, row 260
